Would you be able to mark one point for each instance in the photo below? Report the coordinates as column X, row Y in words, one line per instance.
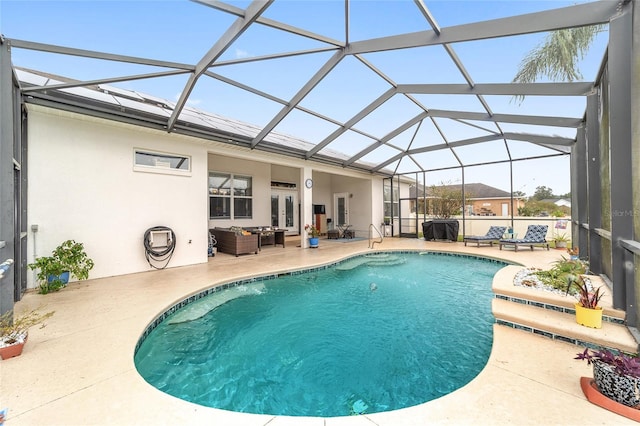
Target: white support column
column 306, row 203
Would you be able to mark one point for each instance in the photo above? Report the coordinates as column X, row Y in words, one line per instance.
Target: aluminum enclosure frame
column 588, row 184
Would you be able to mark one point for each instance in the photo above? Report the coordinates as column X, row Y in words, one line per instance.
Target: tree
column 519, row 194
column 542, row 193
column 537, row 208
column 557, row 58
column 445, row 200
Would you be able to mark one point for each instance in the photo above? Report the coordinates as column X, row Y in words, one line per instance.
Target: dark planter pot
column 622, row 389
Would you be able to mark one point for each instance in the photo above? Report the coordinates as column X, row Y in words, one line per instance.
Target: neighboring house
column 560, row 202
column 481, row 199
column 104, row 182
column 486, row 200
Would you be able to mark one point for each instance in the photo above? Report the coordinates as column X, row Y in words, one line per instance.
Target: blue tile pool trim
column 553, row 307
column 219, row 287
column 468, row 256
column 552, row 336
column 548, row 334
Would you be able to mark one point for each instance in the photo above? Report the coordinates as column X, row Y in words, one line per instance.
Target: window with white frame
column 230, row 196
column 161, row 162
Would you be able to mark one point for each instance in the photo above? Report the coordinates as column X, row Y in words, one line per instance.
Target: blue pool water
column 370, row 334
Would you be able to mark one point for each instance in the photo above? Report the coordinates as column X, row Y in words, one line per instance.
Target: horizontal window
column 158, row 162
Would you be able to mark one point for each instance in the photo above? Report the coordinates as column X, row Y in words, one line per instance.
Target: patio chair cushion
column 494, row 234
column 536, row 236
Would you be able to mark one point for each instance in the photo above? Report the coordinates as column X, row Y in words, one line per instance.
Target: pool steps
column 553, row 316
column 201, row 307
column 380, row 259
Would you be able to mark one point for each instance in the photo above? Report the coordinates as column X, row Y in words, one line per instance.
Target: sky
column 183, row 31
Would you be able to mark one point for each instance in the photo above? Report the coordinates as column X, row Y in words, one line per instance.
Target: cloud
column 241, row 53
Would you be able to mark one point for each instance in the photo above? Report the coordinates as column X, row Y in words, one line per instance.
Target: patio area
column 79, row 369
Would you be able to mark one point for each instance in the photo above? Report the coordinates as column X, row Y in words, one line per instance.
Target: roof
column 473, row 191
column 396, row 96
column 156, row 110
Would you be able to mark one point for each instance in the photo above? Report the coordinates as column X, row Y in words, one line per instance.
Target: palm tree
column 557, row 57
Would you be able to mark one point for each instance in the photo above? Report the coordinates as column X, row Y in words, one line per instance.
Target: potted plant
column 573, row 253
column 561, row 241
column 68, row 259
column 313, row 234
column 615, row 375
column 51, row 274
column 14, row 330
column 588, row 313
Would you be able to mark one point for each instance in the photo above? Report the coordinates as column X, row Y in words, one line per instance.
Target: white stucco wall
column 285, row 174
column 377, row 203
column 323, row 192
column 82, row 186
column 359, row 204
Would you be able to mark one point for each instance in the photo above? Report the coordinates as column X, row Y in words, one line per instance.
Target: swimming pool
column 374, row 333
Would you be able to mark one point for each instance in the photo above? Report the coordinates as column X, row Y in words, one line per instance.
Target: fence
column 479, row 225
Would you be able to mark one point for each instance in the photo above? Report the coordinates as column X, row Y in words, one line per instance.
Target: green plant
column 558, row 57
column 67, row 257
column 13, row 328
column 558, row 275
column 312, row 231
column 534, row 207
column 587, row 296
column 445, row 200
column 562, row 238
column 49, row 273
column 74, row 259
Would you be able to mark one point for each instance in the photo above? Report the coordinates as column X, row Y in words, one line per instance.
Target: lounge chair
column 535, row 236
column 494, row 234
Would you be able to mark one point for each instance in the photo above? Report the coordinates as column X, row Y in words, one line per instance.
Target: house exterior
column 481, row 199
column 104, row 183
column 485, row 200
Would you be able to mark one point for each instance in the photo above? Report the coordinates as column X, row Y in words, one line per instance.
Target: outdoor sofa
column 235, row 241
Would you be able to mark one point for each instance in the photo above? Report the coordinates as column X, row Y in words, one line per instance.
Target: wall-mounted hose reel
column 159, row 244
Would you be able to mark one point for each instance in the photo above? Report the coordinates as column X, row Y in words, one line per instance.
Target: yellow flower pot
column 588, row 317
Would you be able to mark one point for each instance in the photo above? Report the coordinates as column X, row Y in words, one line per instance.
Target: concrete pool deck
column 79, row 369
